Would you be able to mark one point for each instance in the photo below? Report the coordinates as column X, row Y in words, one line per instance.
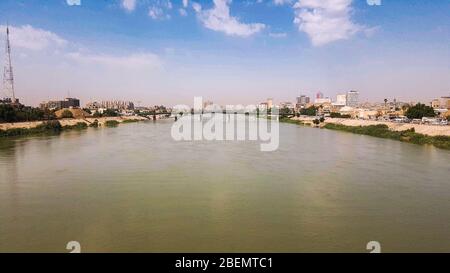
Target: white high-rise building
column 352, row 98
column 269, row 103
column 341, row 100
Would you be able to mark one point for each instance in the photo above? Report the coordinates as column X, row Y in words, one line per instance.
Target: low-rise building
column 320, row 101
column 436, row 103
column 287, row 104
column 115, row 105
column 60, row 104
column 362, row 113
column 347, row 110
column 441, row 103
column 445, row 102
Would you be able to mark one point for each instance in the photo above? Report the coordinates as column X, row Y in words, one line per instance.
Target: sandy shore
column 430, row 130
column 64, row 122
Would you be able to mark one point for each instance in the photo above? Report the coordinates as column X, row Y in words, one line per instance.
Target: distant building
column 269, row 103
column 93, row 105
column 436, row 103
column 341, row 100
column 347, row 110
column 441, row 103
column 303, row 100
column 207, row 103
column 71, row 103
column 263, row 106
column 319, row 95
column 287, row 105
column 352, row 98
column 322, row 101
column 60, row 104
column 116, row 105
column 9, row 101
column 367, row 114
column 445, row 102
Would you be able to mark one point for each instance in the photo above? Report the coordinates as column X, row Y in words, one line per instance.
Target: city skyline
column 167, row 52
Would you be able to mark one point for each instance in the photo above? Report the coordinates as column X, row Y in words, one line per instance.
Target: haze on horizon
column 168, row 51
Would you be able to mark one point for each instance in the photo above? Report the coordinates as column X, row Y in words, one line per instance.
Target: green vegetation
column 48, row 127
column 77, row 126
column 66, row 114
column 338, row 115
column 9, row 113
column 383, row 131
column 55, row 127
column 289, row 120
column 419, row 111
column 130, row 120
column 111, row 123
column 285, row 111
column 94, row 124
column 310, row 111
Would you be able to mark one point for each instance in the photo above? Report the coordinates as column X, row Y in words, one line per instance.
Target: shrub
column 383, row 131
column 110, row 113
column 77, row 126
column 130, row 120
column 111, row 123
column 52, row 125
column 66, row 114
column 94, row 124
column 338, row 115
column 46, row 127
column 310, row 111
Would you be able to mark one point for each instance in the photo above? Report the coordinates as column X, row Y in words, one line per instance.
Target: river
column 134, row 189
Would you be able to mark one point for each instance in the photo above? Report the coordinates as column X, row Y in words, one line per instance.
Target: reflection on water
column 133, row 188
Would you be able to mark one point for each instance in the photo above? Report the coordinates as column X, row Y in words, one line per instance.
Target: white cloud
column 278, row 35
column 135, row 61
column 325, row 21
column 185, row 3
column 219, row 19
column 169, row 4
column 31, row 38
column 282, row 2
column 197, row 7
column 182, row 12
column 129, row 5
column 73, row 2
column 160, row 8
column 157, row 13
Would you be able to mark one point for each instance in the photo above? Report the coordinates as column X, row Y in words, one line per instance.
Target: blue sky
column 167, row 52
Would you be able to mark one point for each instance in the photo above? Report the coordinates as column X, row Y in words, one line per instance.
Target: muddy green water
column 134, row 189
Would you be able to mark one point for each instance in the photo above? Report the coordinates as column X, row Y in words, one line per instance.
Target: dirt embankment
column 64, row 122
column 430, row 130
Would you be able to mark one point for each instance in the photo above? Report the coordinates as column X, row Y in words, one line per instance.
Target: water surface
column 133, row 188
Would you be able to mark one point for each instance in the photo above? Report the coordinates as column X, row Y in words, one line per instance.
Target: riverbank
column 439, row 136
column 56, row 126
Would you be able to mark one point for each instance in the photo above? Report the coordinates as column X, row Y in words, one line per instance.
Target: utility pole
column 8, row 76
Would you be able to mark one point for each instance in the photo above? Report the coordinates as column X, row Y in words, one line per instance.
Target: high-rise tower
column 8, row 76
